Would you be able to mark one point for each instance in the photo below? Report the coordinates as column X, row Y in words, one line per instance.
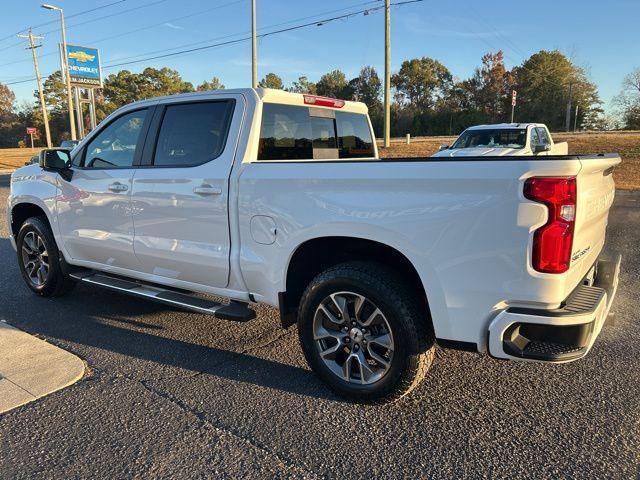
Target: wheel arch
column 22, row 211
column 315, row 255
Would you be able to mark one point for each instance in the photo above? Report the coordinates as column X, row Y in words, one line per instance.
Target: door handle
column 118, row 187
column 207, row 190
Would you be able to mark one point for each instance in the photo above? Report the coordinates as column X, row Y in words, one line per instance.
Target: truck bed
column 462, row 222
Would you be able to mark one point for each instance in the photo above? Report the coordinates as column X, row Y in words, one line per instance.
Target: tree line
column 427, row 98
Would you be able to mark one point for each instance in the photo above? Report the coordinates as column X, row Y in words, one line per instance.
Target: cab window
column 354, row 135
column 291, row 132
column 285, row 133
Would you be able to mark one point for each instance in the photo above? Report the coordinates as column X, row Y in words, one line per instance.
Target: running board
column 235, row 311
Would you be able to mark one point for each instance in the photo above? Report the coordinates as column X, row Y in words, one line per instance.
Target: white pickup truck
column 262, row 196
column 514, row 139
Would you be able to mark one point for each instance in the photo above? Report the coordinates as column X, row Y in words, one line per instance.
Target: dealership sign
column 84, row 66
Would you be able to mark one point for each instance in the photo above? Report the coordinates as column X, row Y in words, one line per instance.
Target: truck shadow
column 114, row 322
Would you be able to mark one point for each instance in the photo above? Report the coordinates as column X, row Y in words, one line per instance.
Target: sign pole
column 76, row 96
column 31, row 131
column 514, row 96
column 92, row 108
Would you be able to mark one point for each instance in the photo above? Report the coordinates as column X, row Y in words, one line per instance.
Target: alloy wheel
column 35, row 259
column 353, row 337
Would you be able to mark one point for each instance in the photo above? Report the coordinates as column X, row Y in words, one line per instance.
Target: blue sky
column 601, row 36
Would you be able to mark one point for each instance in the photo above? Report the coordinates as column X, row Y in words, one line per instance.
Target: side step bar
column 235, row 311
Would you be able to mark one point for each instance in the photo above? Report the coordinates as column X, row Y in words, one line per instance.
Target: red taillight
column 552, row 243
column 323, row 101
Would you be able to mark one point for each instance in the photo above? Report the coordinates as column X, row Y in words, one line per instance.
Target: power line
column 173, row 19
column 244, row 32
column 68, row 16
column 230, row 42
column 321, row 22
column 121, row 12
column 135, row 30
column 263, row 35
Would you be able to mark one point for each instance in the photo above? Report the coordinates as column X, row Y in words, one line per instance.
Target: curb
column 31, row 368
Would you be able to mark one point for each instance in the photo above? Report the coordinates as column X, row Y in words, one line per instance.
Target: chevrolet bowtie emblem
column 81, row 56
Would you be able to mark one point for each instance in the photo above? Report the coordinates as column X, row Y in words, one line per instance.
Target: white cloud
column 175, row 27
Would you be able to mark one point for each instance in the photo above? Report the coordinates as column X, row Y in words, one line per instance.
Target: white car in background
column 504, row 139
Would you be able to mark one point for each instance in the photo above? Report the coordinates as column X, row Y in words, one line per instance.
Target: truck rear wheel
column 39, row 259
column 364, row 333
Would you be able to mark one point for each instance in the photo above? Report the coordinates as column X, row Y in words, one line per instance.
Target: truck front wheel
column 364, row 332
column 39, row 259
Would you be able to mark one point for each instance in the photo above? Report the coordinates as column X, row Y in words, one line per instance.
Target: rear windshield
column 493, row 138
column 301, row 133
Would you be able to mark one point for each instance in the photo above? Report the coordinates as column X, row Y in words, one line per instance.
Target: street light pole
column 387, row 73
column 254, row 47
column 65, row 70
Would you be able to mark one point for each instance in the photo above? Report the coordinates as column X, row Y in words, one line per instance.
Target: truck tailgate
column 595, row 195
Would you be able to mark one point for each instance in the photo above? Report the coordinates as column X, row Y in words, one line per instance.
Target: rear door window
column 193, row 133
column 303, row 133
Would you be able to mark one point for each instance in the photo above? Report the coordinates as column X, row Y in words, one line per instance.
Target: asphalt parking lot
column 175, row 394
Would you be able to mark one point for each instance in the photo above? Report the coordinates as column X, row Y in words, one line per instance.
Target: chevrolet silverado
column 263, row 196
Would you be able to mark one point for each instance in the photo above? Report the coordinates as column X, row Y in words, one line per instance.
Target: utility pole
column 387, row 73
column 575, row 121
column 254, row 47
column 568, row 116
column 43, row 105
column 65, row 70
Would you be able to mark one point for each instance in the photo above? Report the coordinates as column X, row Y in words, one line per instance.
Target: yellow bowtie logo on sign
column 81, row 56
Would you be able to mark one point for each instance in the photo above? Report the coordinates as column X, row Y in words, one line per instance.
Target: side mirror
column 443, row 147
column 55, row 159
column 541, row 148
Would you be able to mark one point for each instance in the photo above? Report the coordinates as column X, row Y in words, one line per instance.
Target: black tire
column 56, row 282
column 409, row 322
